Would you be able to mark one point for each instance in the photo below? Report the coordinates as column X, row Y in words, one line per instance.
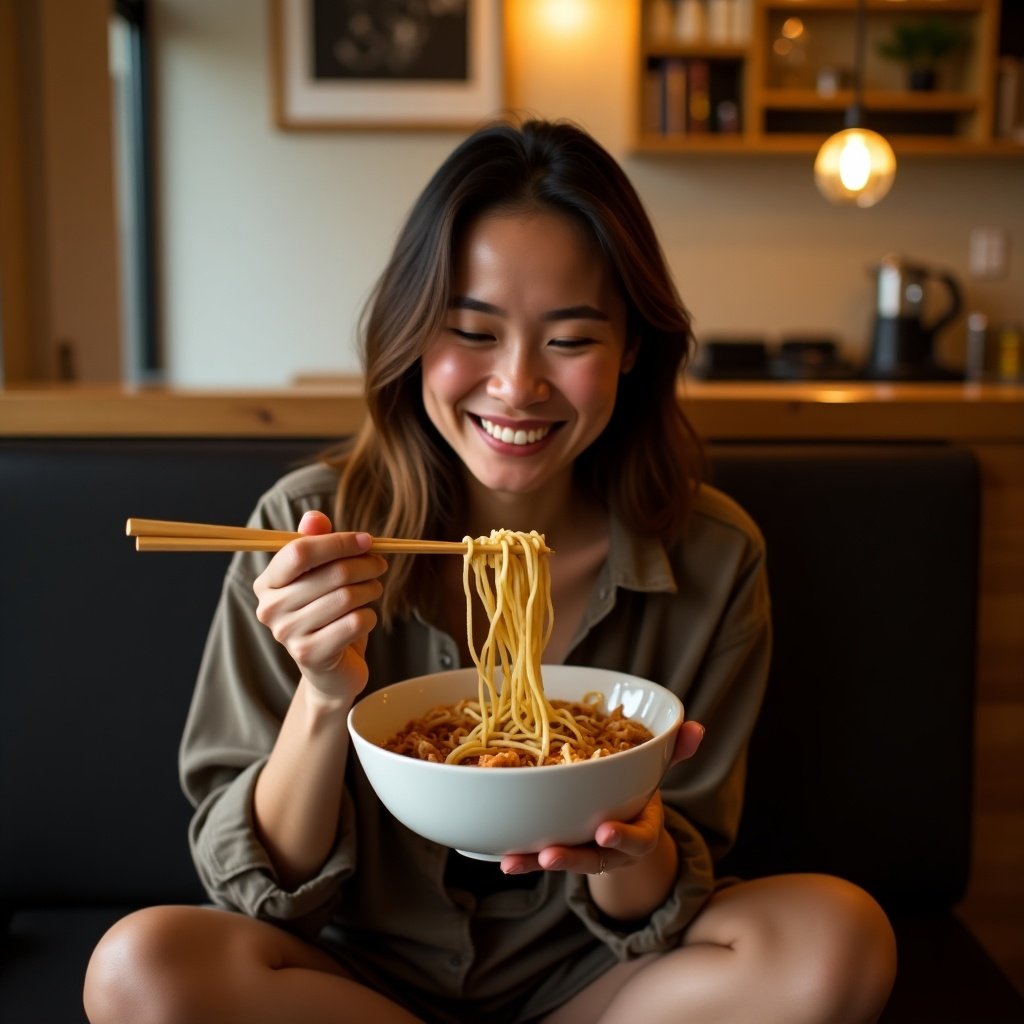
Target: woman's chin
column 523, row 481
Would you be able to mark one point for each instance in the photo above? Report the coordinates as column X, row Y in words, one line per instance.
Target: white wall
column 270, row 241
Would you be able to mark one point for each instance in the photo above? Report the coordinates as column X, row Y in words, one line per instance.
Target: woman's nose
column 518, row 380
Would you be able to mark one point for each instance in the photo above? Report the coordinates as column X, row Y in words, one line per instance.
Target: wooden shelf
column 799, row 143
column 808, row 99
column 664, row 48
column 880, row 6
column 776, row 113
column 709, row 142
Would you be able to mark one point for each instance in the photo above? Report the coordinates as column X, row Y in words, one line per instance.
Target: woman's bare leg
column 792, row 949
column 192, row 965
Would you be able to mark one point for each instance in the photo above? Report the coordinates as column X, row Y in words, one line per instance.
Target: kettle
column 902, row 345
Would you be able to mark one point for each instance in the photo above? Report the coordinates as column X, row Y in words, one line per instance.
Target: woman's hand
column 632, row 864
column 688, row 739
column 314, row 597
column 617, row 844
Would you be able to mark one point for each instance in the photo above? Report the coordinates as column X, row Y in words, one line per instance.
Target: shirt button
column 602, row 593
column 446, row 661
column 455, row 962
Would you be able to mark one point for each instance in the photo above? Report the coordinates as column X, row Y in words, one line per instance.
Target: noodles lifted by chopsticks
column 514, row 724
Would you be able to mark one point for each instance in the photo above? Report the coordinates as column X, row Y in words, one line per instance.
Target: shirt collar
column 637, row 562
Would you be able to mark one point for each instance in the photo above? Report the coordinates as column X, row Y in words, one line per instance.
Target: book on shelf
column 698, row 103
column 675, row 101
column 691, row 96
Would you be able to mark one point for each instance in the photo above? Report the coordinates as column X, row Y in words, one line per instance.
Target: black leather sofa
column 861, row 764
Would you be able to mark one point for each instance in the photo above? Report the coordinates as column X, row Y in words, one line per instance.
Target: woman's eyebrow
column 576, row 313
column 582, row 312
column 465, row 302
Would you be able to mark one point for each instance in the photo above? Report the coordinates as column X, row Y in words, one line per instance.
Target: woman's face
column 523, row 375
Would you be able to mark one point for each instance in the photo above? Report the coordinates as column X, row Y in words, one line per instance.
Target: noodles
column 436, row 735
column 514, row 725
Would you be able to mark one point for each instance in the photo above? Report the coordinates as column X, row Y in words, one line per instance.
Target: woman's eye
column 570, row 343
column 471, row 335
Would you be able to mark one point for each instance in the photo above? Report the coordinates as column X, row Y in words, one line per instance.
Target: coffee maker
column 902, row 344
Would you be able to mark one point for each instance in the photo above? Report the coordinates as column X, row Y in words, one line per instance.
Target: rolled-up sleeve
column 693, row 885
column 245, row 684
column 237, row 872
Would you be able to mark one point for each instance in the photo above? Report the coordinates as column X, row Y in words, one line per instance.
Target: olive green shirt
column 400, row 911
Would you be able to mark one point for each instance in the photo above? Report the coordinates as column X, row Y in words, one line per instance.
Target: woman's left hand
column 617, row 844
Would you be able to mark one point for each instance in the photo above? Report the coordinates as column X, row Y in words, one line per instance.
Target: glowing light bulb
column 855, row 166
column 565, row 16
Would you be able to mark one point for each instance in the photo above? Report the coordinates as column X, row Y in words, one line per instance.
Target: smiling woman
column 554, row 313
column 523, row 375
column 522, row 352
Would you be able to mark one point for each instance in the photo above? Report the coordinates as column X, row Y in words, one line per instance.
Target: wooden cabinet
column 778, row 75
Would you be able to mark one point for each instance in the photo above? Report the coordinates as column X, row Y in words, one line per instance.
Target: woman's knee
column 816, row 948
column 146, row 969
column 850, row 950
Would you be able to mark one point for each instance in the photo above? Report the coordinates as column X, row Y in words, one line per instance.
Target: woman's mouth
column 518, row 436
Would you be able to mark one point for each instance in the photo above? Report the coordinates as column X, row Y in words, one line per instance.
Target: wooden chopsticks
column 167, row 535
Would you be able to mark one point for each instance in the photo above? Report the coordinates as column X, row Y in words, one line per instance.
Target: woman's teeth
column 510, row 436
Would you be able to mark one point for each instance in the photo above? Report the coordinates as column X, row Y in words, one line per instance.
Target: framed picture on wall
column 385, row 64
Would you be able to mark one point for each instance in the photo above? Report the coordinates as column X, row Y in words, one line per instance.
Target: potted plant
column 921, row 45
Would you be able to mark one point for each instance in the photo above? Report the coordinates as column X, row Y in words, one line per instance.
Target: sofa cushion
column 44, row 960
column 861, row 762
column 100, row 646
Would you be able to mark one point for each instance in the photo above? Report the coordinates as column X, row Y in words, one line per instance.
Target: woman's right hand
column 314, row 597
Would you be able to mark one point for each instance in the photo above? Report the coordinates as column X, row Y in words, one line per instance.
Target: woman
column 521, row 350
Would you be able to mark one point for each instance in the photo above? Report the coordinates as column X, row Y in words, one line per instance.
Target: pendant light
column 855, row 165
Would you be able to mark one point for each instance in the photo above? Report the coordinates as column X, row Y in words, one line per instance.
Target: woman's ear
column 632, row 350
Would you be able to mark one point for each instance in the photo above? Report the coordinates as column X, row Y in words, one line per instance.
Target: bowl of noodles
column 511, row 756
column 494, row 798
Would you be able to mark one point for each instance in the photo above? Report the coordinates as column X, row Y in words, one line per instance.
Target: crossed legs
column 792, row 949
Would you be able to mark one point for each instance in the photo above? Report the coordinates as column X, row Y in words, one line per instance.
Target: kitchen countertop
column 334, row 406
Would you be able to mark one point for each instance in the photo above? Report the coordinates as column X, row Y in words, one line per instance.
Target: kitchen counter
column 333, row 406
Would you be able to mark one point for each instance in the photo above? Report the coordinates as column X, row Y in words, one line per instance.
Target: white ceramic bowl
column 488, row 812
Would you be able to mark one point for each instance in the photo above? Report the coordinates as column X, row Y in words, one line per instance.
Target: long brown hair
column 398, row 476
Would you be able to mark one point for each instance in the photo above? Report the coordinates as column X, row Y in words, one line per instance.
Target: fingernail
column 557, row 864
column 364, row 540
column 516, row 869
column 612, row 839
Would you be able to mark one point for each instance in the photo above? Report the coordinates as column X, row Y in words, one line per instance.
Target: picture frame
column 389, row 64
